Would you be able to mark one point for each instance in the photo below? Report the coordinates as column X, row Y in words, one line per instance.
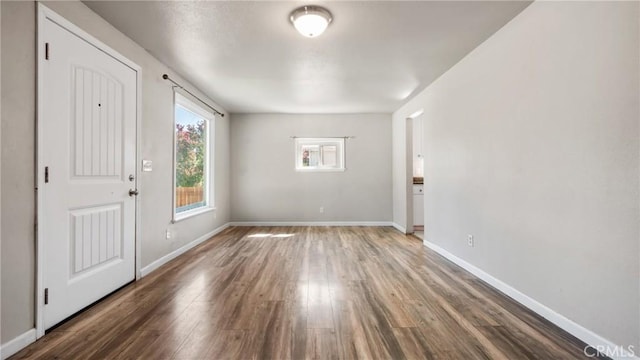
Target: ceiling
column 247, row 56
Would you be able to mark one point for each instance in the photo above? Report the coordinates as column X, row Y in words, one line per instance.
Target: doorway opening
column 415, row 174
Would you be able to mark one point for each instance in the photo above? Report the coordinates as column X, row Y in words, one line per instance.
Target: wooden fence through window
column 188, row 195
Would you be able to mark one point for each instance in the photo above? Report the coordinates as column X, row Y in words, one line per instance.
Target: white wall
column 531, row 145
column 266, row 187
column 18, row 129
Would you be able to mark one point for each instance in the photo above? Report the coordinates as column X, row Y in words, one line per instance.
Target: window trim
column 340, row 141
column 183, row 101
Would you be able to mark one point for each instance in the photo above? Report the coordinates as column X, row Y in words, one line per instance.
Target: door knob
column 133, row 192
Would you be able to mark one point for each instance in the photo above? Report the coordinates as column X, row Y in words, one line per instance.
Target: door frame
column 408, row 188
column 44, row 14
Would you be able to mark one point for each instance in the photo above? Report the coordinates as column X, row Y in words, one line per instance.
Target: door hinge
column 46, row 296
column 46, row 51
column 46, row 174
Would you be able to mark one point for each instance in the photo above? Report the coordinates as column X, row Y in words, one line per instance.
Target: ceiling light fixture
column 311, row 21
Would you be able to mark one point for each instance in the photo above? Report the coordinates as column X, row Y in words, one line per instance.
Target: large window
column 192, row 166
column 320, row 154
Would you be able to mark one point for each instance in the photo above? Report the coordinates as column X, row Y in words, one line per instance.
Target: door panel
column 87, row 135
column 96, row 237
column 101, row 154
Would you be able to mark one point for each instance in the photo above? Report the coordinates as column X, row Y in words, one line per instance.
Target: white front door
column 87, row 154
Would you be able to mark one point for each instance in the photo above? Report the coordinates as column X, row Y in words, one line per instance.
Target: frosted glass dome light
column 310, row 21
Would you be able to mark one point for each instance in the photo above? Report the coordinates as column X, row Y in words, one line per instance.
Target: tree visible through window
column 191, row 156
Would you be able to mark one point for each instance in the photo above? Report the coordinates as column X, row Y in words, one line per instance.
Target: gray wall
column 532, row 145
column 18, row 145
column 18, row 129
column 0, row 175
column 266, row 187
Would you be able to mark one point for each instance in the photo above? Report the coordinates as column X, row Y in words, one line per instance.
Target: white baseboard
column 177, row 252
column 311, row 223
column 17, row 344
column 399, row 228
column 582, row 333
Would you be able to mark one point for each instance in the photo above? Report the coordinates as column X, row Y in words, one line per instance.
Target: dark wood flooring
column 307, row 292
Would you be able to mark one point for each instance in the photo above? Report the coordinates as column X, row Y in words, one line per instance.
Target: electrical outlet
column 168, row 234
column 321, row 209
column 470, row 240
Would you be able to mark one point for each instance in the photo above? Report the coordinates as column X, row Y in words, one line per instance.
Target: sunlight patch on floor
column 271, row 235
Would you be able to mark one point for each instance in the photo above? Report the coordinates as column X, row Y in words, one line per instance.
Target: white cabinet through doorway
column 418, row 205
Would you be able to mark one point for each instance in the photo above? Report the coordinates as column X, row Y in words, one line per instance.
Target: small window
column 192, row 166
column 320, row 154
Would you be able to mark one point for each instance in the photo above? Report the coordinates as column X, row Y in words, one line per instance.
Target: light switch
column 147, row 165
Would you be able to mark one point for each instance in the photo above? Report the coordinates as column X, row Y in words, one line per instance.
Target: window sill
column 191, row 213
column 320, row 170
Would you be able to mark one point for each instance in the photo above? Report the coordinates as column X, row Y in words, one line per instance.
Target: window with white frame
column 193, row 170
column 319, row 154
